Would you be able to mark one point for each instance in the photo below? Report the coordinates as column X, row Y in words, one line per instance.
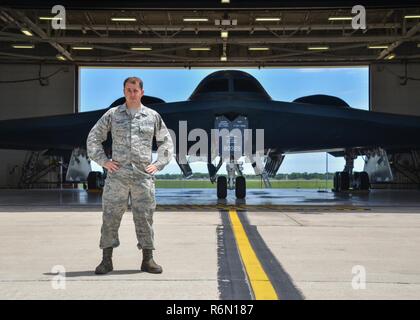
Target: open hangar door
column 29, row 90
column 394, row 88
column 37, row 42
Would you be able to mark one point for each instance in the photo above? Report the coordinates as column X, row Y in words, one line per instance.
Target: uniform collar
column 123, row 108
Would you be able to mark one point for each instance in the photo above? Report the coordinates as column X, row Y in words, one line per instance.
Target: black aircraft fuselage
column 307, row 124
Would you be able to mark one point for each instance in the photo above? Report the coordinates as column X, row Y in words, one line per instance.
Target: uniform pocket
column 146, row 133
column 152, row 191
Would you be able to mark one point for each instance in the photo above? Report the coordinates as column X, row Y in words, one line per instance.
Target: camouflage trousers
column 119, row 186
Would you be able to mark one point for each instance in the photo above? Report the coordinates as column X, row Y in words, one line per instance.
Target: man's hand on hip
column 151, row 169
column 112, row 166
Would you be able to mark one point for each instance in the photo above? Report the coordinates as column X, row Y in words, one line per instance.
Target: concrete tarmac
column 320, row 254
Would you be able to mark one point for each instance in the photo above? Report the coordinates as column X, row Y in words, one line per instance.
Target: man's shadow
column 89, row 273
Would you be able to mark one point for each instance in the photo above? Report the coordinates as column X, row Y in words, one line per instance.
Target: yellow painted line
column 260, row 283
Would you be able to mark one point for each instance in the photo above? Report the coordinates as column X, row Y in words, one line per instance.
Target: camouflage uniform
column 132, row 139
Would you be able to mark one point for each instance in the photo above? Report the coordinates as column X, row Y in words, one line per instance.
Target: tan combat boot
column 106, row 264
column 148, row 264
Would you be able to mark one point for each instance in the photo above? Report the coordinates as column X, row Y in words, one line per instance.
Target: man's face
column 133, row 93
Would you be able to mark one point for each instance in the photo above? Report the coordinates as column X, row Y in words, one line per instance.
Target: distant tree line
column 280, row 176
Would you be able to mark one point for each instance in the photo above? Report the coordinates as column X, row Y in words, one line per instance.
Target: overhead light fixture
column 267, row 19
column 412, row 17
column 390, row 56
column 141, row 48
column 60, row 57
column 123, row 19
column 195, row 19
column 318, row 48
column 224, row 34
column 200, row 49
column 26, row 32
column 50, row 18
column 23, row 46
column 418, row 45
column 225, row 1
column 378, row 47
column 82, row 48
column 258, row 48
column 340, row 18
column 223, row 57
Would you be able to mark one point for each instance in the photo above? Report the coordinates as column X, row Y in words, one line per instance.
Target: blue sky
column 99, row 87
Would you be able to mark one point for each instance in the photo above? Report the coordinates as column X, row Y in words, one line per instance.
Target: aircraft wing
column 288, row 127
column 57, row 132
column 63, row 132
column 300, row 127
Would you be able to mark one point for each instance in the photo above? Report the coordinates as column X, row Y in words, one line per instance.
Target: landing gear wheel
column 356, row 183
column 221, row 187
column 364, row 181
column 344, row 181
column 240, row 187
column 360, row 181
column 336, row 182
column 95, row 180
column 341, row 181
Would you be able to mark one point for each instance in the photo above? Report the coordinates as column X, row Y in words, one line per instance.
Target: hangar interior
column 276, row 244
column 39, row 62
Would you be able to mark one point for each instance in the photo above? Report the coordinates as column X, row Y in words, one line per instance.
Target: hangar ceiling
column 190, row 37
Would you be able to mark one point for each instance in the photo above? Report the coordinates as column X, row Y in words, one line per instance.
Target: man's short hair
column 134, row 80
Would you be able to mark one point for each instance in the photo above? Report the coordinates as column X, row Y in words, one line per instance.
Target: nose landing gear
column 232, row 182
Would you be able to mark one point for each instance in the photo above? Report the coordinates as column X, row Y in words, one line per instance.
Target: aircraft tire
column 364, row 181
column 356, row 181
column 344, row 181
column 336, row 182
column 95, row 180
column 221, row 187
column 240, row 187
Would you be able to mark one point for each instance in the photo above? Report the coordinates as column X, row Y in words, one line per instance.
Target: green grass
column 250, row 184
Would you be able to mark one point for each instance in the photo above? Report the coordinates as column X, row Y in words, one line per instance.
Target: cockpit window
column 215, row 85
column 246, row 85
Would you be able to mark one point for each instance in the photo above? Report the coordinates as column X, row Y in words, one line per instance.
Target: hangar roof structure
column 208, row 33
